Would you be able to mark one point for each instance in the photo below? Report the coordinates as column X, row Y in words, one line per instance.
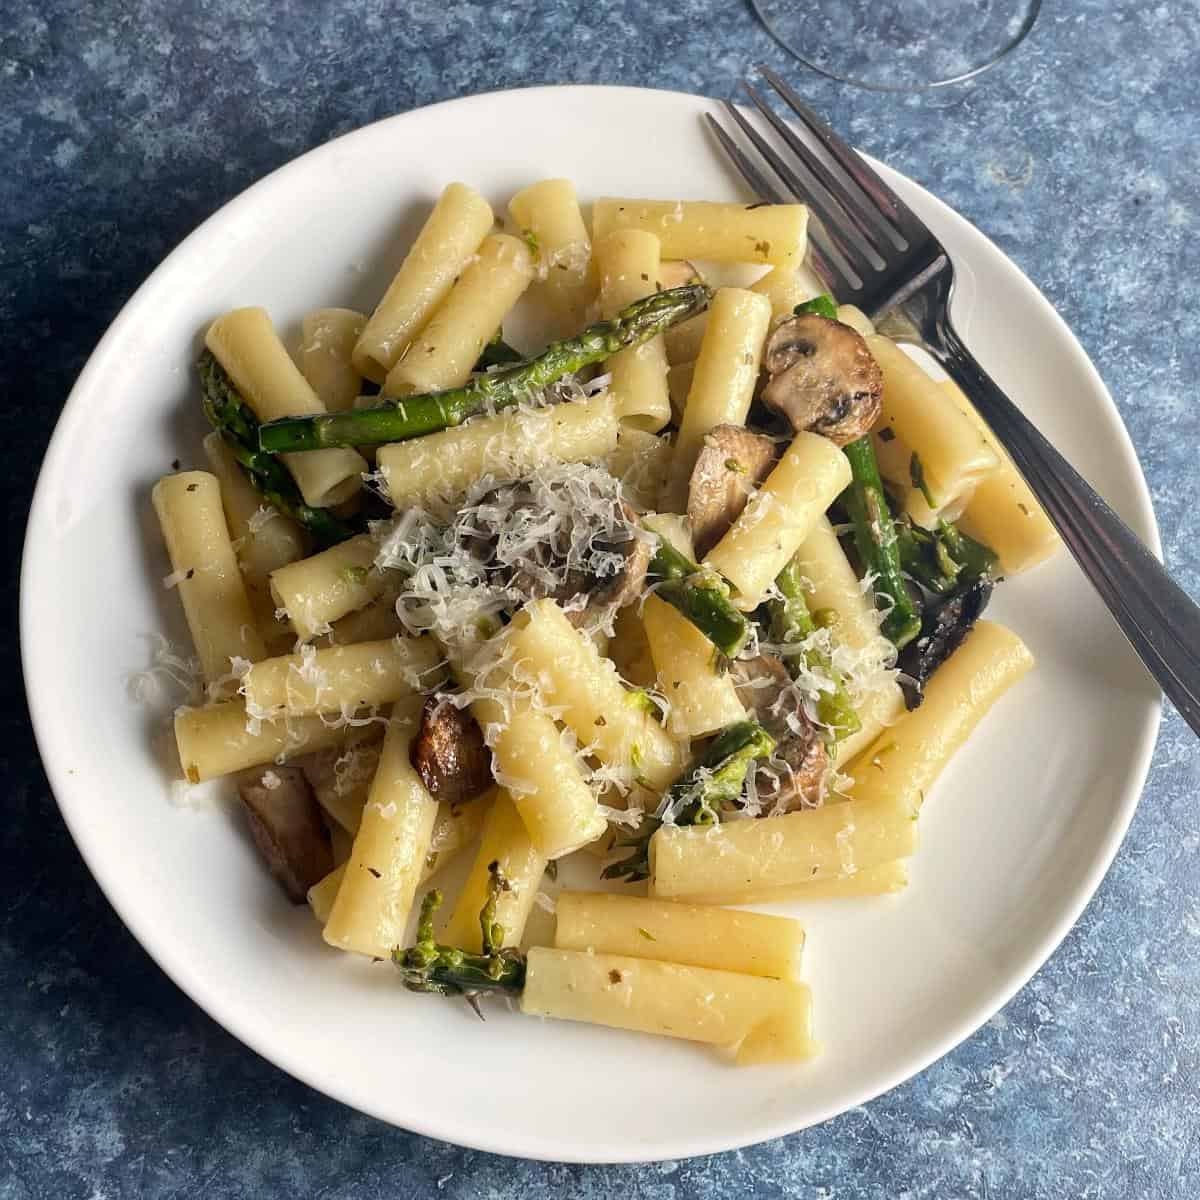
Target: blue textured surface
column 122, row 128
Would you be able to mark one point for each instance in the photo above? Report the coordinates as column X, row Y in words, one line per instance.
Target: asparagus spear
column 412, row 416
column 791, row 622
column 875, row 538
column 944, row 559
column 701, row 596
column 700, row 794
column 231, row 417
column 427, row 966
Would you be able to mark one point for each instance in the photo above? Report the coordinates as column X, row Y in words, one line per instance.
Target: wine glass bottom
column 904, row 46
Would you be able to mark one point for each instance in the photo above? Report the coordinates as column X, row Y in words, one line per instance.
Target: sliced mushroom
column 731, row 464
column 794, row 775
column 613, row 577
column 943, row 627
column 449, row 753
column 285, row 822
column 823, row 378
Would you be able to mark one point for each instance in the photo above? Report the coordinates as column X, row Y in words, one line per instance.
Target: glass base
column 908, row 46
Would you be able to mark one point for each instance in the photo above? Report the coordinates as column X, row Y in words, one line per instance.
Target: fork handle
column 1158, row 617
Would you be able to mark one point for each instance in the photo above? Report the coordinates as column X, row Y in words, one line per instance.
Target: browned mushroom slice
column 731, row 464
column 285, row 822
column 823, row 378
column 449, row 753
column 794, row 775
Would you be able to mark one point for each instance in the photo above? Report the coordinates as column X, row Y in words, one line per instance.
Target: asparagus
column 427, row 966
column 944, row 559
column 875, row 538
column 701, row 596
column 412, row 416
column 823, row 306
column 699, row 795
column 231, row 417
column 791, row 622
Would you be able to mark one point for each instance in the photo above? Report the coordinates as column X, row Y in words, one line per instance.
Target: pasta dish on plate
column 687, row 591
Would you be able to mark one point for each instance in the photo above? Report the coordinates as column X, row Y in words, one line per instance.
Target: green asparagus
column 427, row 966
column 792, row 623
column 875, row 538
column 397, row 420
column 700, row 795
column 942, row 559
column 701, row 596
column 231, row 417
column 824, row 306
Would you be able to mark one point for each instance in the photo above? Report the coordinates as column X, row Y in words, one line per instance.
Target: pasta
column 771, row 233
column 376, row 894
column 506, row 843
column 762, row 1020
column 751, row 943
column 327, row 356
column 508, row 644
column 340, row 678
column 445, row 352
column 506, row 446
column 205, row 572
column 811, row 474
column 245, row 343
column 723, row 379
column 548, row 214
column 321, row 589
column 460, row 220
column 628, row 262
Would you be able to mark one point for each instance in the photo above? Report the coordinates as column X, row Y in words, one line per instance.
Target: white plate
column 1014, row 841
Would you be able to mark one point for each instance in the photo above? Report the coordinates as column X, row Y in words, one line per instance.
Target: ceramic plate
column 1014, row 841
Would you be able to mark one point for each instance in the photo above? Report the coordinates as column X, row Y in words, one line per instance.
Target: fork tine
column 876, row 191
column 868, row 220
column 805, row 187
column 820, row 252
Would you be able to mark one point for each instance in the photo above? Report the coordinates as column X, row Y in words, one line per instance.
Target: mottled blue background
column 123, row 125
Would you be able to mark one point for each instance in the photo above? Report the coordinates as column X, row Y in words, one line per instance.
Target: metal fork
column 871, row 250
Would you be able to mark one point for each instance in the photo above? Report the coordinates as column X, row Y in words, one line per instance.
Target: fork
column 871, row 250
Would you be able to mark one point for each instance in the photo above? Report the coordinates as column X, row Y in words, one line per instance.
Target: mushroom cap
column 823, row 378
column 731, row 463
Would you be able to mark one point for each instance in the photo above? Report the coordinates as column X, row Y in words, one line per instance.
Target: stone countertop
column 122, row 126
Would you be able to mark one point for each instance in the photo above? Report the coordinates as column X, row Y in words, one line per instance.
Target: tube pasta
column 509, row 445
column 549, row 212
column 445, row 352
column 584, row 687
column 341, row 777
column 208, row 578
column 629, row 266
column 856, row 319
column 756, row 233
column 702, row 701
column 679, row 383
column 371, row 624
column 689, row 934
column 765, row 1020
column 954, row 455
column 640, row 460
column 319, row 590
column 682, row 342
column 719, row 864
column 329, row 336
column 245, row 343
column 1003, row 512
column 722, row 382
column 323, row 893
column 882, row 880
column 373, row 903
column 899, row 768
column 340, row 678
column 835, row 589
column 460, row 220
column 215, row 740
column 630, row 649
column 505, row 842
column 811, row 474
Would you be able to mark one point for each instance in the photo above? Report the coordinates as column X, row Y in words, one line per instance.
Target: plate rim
column 227, row 1015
